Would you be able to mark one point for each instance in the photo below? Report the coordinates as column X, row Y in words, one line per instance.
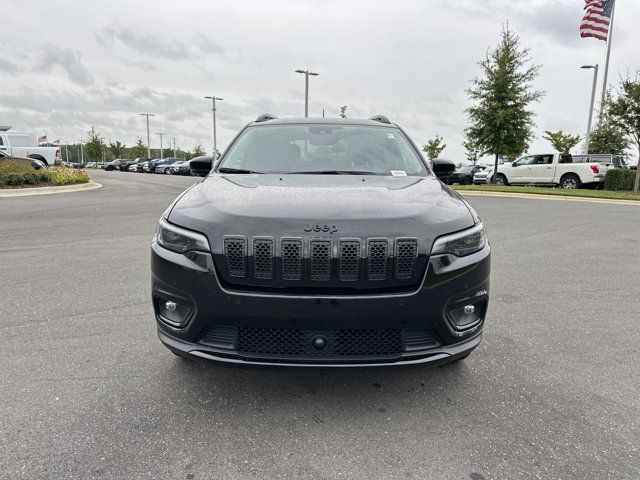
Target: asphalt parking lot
column 89, row 392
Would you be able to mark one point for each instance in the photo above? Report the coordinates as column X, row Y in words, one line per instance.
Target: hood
column 321, row 206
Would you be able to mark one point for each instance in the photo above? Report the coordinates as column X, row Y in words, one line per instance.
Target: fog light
column 467, row 316
column 175, row 313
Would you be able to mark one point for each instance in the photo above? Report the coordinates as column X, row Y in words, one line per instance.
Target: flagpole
column 606, row 65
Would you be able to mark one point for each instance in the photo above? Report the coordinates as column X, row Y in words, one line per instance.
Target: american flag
column 597, row 16
column 42, row 139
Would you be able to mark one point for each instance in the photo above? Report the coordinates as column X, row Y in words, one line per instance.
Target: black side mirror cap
column 443, row 166
column 201, row 166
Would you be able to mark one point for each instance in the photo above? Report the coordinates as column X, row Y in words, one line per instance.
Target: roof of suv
column 322, row 120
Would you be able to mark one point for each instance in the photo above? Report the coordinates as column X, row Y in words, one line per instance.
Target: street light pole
column 148, row 137
column 174, row 146
column 81, row 152
column 161, row 151
column 593, row 96
column 213, row 99
column 306, row 89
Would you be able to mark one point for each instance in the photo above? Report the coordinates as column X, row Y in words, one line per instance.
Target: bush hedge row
column 54, row 176
column 24, row 178
column 618, row 179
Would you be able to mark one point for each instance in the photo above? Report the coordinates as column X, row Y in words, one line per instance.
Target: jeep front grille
column 263, row 258
column 291, row 253
column 348, row 260
column 341, row 263
column 235, row 249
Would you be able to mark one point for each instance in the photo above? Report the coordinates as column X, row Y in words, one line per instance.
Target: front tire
column 501, row 180
column 570, row 181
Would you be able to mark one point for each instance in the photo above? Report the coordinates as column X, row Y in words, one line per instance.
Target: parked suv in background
column 320, row 242
column 551, row 169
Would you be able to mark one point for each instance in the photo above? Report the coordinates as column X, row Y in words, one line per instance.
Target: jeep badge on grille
column 310, row 227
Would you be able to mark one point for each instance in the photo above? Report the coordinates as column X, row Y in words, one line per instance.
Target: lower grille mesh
column 342, row 343
column 339, row 343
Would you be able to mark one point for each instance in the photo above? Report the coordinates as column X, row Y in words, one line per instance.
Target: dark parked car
column 320, row 242
column 463, row 175
column 179, row 168
column 35, row 163
column 114, row 164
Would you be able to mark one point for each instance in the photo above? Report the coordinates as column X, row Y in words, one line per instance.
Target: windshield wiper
column 334, row 172
column 235, row 170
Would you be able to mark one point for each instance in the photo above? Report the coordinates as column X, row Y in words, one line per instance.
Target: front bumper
column 419, row 323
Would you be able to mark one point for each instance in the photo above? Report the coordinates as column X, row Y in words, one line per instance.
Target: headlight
column 462, row 243
column 179, row 239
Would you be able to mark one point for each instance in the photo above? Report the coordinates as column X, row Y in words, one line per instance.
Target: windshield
column 324, row 148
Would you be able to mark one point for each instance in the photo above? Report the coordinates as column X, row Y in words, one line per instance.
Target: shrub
column 33, row 177
column 618, row 179
column 13, row 166
column 68, row 176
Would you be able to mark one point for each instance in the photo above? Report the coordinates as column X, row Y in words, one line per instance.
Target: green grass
column 550, row 191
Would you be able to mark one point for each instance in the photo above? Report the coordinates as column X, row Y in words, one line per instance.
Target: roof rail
column 379, row 118
column 265, row 117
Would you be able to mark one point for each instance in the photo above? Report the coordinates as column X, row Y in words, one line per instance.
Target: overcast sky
column 68, row 65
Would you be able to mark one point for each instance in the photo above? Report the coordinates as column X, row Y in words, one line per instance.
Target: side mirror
column 442, row 166
column 201, row 166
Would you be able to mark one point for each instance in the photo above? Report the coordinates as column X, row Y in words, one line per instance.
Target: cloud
column 144, row 43
column 140, row 64
column 8, row 67
column 207, row 45
column 68, row 60
column 157, row 46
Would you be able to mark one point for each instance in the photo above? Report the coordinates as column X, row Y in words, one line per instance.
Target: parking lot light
column 148, row 137
column 306, row 88
column 161, row 150
column 213, row 99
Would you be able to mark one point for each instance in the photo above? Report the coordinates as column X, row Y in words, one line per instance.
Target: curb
column 541, row 196
column 24, row 192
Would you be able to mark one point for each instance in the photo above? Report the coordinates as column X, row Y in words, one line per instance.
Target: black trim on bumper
column 433, row 356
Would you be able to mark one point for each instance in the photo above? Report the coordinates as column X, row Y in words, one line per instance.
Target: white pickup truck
column 25, row 145
column 555, row 169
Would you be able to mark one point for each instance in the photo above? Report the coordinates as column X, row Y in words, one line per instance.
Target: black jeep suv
column 320, row 242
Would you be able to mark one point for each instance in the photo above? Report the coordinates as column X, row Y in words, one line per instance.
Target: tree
column 607, row 138
column 434, row 147
column 473, row 151
column 94, row 146
column 197, row 152
column 343, row 111
column 562, row 142
column 501, row 122
column 624, row 111
column 117, row 149
column 139, row 150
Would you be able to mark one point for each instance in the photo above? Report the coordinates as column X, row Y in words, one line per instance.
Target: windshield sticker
column 398, row 173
